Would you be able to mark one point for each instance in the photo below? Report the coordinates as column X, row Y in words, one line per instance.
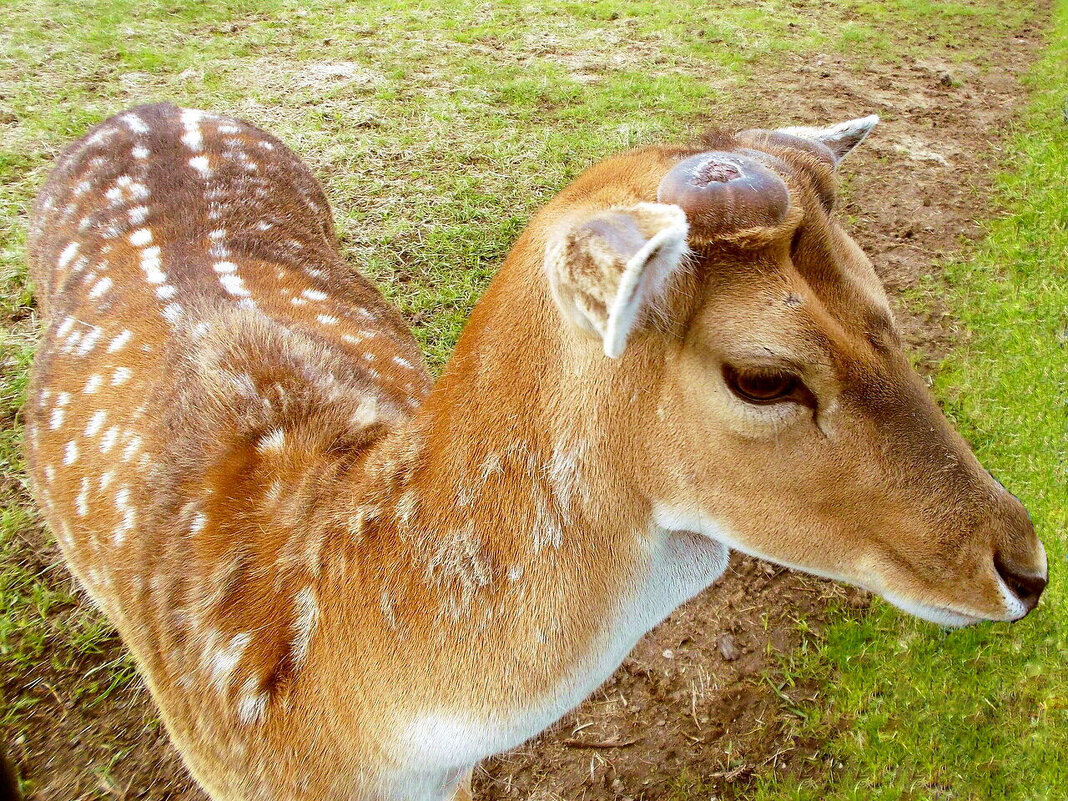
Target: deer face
column 787, row 421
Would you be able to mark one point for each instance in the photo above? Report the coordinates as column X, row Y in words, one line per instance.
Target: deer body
column 342, row 583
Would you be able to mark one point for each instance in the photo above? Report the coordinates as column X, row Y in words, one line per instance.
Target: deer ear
column 840, row 139
column 606, row 268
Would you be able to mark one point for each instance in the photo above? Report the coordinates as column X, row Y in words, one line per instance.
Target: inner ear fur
column 607, row 268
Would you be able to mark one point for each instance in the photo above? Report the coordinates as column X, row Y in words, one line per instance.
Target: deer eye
column 764, row 384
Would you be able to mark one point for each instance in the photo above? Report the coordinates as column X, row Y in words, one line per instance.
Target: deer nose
column 1025, row 586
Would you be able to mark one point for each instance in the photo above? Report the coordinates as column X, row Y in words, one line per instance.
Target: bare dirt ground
column 692, row 699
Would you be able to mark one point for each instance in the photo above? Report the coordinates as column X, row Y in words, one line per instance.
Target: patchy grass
column 437, row 128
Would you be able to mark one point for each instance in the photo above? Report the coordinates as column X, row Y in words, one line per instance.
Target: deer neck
column 510, row 495
column 517, row 553
column 511, row 444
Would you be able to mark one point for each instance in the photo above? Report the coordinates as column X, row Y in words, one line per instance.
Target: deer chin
column 941, row 615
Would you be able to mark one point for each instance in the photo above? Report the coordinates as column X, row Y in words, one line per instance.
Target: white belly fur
column 444, row 744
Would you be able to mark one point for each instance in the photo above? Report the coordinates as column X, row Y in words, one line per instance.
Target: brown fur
column 306, row 548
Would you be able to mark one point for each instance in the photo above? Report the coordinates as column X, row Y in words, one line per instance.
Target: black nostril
column 1026, row 588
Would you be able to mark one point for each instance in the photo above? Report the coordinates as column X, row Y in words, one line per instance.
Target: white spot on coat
column 251, row 704
column 68, row 254
column 234, row 285
column 89, row 341
column 406, row 506
column 227, row 658
column 199, row 521
column 119, row 342
column 100, row 288
column 192, row 138
column 141, row 237
column 96, row 422
column 107, row 442
column 65, row 326
column 201, row 164
column 366, row 413
column 131, row 449
column 151, row 264
column 307, row 613
column 129, row 515
column 134, row 123
column 172, row 313
column 275, row 441
column 81, row 503
column 355, row 339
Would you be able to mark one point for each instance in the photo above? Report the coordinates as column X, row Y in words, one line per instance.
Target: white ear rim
column 853, row 131
column 670, row 241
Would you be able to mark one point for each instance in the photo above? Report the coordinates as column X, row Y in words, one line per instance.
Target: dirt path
column 690, row 700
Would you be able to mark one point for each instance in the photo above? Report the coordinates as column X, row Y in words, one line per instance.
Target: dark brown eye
column 762, row 385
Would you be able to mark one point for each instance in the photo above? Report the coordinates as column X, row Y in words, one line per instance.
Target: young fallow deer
column 342, row 581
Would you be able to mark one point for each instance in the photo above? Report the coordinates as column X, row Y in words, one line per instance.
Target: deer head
column 759, row 378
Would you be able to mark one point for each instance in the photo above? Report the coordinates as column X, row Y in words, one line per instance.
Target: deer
column 341, row 579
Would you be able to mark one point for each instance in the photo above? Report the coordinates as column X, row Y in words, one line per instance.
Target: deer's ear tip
column 861, row 127
column 840, row 139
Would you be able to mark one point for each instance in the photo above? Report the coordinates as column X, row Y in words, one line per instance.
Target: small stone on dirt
column 727, row 649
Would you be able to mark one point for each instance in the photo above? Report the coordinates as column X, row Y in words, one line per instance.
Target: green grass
column 908, row 711
column 437, row 128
